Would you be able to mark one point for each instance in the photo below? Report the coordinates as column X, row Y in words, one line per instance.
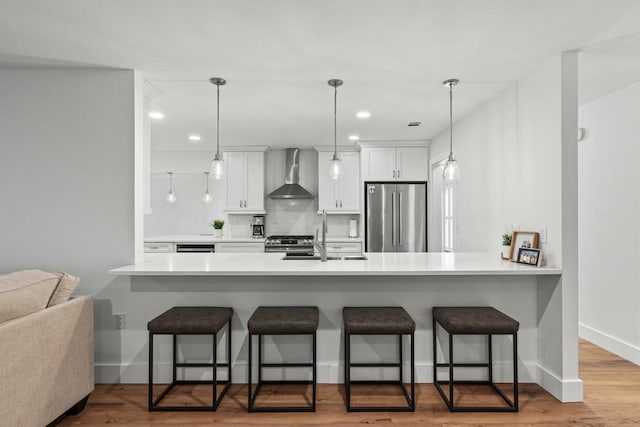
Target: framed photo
column 523, row 239
column 529, row 256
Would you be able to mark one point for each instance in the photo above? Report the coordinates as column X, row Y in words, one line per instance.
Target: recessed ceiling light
column 354, row 137
column 194, row 138
column 156, row 115
column 363, row 114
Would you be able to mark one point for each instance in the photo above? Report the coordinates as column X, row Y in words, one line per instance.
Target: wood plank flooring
column 611, row 397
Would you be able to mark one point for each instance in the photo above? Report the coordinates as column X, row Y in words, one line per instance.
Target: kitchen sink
column 317, row 258
column 354, row 258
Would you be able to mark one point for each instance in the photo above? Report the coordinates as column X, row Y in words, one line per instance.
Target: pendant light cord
column 450, row 121
column 170, row 182
column 335, row 121
column 218, row 121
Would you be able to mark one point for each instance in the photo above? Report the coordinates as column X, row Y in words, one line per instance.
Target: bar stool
column 474, row 321
column 378, row 321
column 282, row 321
column 191, row 321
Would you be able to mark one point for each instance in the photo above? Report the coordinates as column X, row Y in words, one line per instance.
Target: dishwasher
column 195, row 247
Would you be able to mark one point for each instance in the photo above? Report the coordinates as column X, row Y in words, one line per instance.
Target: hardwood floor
column 611, row 397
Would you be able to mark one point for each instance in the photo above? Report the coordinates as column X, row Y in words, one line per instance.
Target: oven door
column 291, row 250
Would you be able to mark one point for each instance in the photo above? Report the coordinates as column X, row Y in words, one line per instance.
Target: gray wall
column 66, row 174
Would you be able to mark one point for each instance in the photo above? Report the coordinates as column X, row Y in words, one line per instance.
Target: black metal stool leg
column 413, row 376
column 515, row 371
column 451, row 371
column 250, row 368
column 150, row 382
column 314, row 378
column 347, row 370
column 214, row 367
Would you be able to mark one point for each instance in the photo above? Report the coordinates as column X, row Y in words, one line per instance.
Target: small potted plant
column 506, row 245
column 217, row 227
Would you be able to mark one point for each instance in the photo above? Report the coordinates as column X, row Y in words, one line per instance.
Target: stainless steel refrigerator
column 395, row 217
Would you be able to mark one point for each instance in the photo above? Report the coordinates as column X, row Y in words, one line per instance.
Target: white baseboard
column 328, row 373
column 563, row 390
column 610, row 343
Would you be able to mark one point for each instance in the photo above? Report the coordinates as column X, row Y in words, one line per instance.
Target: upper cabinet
column 339, row 196
column 395, row 163
column 244, row 182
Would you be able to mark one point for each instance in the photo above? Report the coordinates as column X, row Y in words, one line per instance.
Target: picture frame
column 529, row 256
column 526, row 239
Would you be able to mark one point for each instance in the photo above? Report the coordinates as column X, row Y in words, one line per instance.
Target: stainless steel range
column 298, row 245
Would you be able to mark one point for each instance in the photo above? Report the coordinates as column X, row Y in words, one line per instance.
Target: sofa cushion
column 25, row 292
column 65, row 288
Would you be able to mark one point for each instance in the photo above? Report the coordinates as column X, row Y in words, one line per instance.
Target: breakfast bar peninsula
column 416, row 281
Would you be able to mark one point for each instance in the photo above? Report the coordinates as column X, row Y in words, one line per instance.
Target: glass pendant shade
column 335, row 168
column 451, row 172
column 171, row 197
column 217, row 167
column 207, row 196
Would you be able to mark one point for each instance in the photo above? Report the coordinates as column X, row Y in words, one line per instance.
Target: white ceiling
column 277, row 56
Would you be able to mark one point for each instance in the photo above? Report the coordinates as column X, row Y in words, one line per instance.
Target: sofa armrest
column 46, row 363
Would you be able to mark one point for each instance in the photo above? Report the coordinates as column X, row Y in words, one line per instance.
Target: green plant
column 218, row 224
column 506, row 239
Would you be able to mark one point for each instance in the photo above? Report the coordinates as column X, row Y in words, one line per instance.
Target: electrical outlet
column 121, row 320
column 543, row 235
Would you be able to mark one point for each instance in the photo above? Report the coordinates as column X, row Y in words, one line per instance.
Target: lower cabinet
column 165, row 247
column 239, row 247
column 344, row 248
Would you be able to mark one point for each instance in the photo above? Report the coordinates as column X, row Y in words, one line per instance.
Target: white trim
column 610, row 343
column 563, row 390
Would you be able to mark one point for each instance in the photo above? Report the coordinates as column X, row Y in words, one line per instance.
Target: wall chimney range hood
column 291, row 189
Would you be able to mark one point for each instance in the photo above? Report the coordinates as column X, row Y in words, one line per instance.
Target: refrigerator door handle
column 400, row 218
column 393, row 218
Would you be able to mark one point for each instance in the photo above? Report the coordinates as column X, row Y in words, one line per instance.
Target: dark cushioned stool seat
column 475, row 320
column 283, row 320
column 191, row 320
column 377, row 320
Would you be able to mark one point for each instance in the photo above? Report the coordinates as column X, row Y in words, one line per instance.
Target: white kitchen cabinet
column 164, row 247
column 395, row 163
column 244, row 182
column 339, row 196
column 227, row 247
column 343, row 248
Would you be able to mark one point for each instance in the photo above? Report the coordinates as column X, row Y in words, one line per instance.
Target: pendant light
column 451, row 172
column 207, row 196
column 335, row 167
column 217, row 165
column 171, row 197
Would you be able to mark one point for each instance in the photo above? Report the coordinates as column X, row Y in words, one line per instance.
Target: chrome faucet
column 322, row 246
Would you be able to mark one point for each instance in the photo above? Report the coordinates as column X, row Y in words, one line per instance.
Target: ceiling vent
column 414, row 123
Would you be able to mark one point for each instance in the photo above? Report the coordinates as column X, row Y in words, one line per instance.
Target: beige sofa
column 46, row 363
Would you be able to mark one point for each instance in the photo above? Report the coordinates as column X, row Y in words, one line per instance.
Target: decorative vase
column 217, row 232
column 505, row 251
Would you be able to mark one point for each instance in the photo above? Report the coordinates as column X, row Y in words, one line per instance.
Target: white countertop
column 198, row 238
column 271, row 264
